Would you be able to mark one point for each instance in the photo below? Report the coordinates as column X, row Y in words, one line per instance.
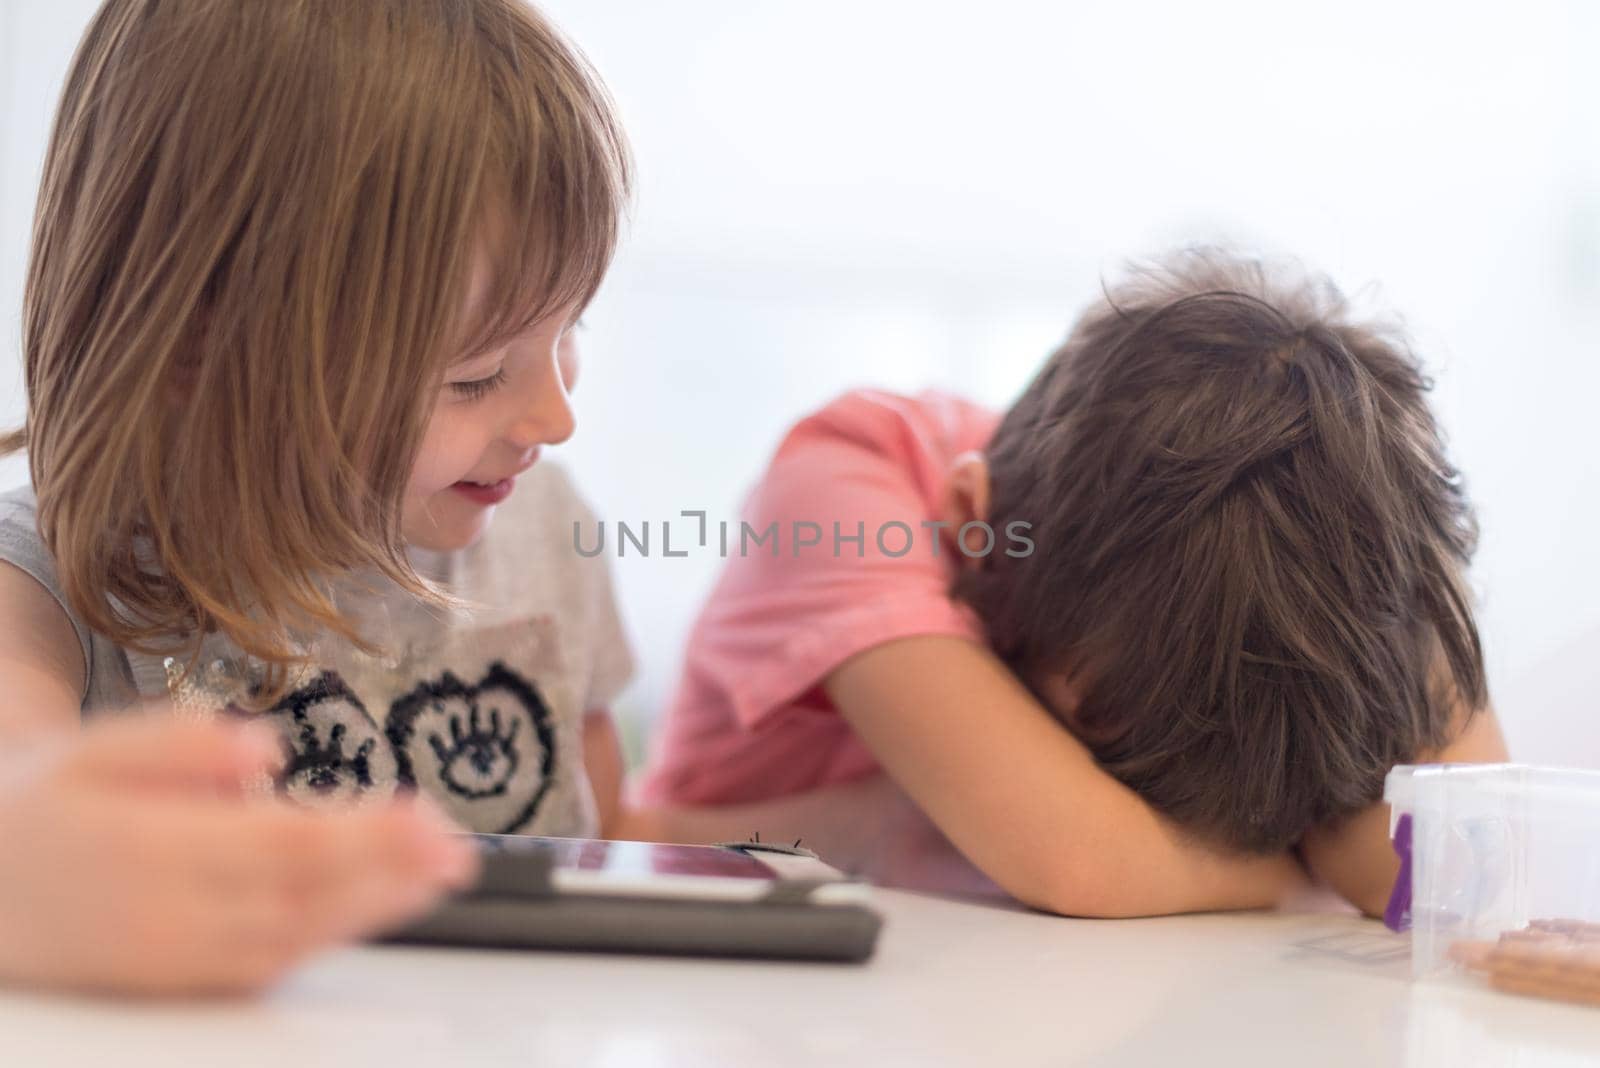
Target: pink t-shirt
column 750, row 720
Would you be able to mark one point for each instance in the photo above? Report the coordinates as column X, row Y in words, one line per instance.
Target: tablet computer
column 737, row 900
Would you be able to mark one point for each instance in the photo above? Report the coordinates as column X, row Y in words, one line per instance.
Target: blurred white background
column 903, row 194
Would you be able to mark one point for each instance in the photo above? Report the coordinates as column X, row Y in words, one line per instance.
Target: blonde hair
column 252, row 247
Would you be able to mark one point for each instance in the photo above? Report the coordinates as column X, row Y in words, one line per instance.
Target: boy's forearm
column 1149, row 868
column 1354, row 857
column 843, row 824
column 1022, row 798
column 872, row 828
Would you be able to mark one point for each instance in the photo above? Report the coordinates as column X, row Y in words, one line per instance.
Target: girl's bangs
column 555, row 185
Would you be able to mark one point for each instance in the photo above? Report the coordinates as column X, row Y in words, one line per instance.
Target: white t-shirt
column 482, row 708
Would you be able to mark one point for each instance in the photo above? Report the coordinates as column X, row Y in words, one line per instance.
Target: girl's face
column 491, row 416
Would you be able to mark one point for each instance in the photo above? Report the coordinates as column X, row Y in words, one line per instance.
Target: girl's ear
column 966, row 500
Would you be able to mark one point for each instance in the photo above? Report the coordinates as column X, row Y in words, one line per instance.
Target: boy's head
column 1251, row 549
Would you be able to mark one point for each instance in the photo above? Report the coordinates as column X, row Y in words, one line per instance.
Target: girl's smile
column 489, row 492
column 495, row 411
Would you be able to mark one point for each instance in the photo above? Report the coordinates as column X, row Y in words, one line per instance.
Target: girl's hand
column 130, row 862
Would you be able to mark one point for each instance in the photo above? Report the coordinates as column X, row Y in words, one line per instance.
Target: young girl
column 298, row 316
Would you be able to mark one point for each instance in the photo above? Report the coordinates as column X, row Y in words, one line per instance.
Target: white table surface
column 952, row 983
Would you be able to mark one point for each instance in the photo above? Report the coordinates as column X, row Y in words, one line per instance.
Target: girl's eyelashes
column 479, row 387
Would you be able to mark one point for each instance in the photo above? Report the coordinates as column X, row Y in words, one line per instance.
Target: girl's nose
column 546, row 416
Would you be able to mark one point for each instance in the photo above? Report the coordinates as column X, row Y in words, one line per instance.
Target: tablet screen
column 585, row 866
column 646, row 858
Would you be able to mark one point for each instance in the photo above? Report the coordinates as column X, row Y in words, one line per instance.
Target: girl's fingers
column 155, row 749
column 313, row 878
column 188, row 890
column 396, row 861
column 139, row 889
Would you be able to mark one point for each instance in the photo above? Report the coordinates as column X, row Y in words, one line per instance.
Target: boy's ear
column 966, row 499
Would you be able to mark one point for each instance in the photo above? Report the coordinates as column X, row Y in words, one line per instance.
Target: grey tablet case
column 516, row 905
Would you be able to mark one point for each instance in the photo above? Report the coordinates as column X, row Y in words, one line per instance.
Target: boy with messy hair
column 1241, row 601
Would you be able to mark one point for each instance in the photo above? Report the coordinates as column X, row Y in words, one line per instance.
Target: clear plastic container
column 1494, row 848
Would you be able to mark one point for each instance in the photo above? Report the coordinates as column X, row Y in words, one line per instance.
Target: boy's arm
column 842, row 823
column 867, row 827
column 1023, row 799
column 1354, row 857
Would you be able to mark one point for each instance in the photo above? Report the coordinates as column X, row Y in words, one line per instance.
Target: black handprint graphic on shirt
column 480, row 760
column 486, row 751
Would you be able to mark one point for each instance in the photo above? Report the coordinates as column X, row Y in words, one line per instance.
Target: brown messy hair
column 252, row 249
column 1251, row 548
